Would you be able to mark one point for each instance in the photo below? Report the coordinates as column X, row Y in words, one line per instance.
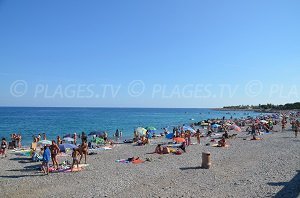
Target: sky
column 159, row 53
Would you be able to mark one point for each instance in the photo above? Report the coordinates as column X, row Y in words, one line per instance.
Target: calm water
column 60, row 121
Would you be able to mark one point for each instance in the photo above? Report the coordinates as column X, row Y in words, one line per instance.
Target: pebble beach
column 263, row 168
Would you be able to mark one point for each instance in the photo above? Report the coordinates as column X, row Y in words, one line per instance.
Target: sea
column 54, row 121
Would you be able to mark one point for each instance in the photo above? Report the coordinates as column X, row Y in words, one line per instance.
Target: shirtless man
column 54, row 151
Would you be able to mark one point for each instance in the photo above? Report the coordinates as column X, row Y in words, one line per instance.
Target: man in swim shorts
column 54, row 151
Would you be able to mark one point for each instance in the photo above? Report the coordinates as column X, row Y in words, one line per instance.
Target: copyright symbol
column 136, row 88
column 18, row 88
column 254, row 88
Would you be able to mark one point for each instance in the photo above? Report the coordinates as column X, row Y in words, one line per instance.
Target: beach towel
column 124, row 161
column 65, row 170
column 216, row 145
column 137, row 161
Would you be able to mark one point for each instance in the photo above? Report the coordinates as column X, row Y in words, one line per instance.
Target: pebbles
column 245, row 169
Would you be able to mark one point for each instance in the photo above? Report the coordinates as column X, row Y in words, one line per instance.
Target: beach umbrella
column 188, row 128
column 98, row 133
column 64, row 147
column 99, row 141
column 68, row 139
column 151, row 129
column 215, row 125
column 170, row 136
column 68, row 135
column 179, row 140
column 141, row 130
column 235, row 127
column 45, row 142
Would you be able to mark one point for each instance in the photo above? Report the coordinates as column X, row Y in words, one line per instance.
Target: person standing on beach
column 83, row 150
column 46, row 159
column 297, row 126
column 75, row 159
column 117, row 134
column 198, row 135
column 58, row 140
column 83, row 138
column 19, row 141
column 4, row 147
column 54, row 148
column 75, row 138
column 44, row 134
column 38, row 138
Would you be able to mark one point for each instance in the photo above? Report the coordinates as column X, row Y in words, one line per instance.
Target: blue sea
column 30, row 121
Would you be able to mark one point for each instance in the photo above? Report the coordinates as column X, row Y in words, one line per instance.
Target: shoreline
column 237, row 171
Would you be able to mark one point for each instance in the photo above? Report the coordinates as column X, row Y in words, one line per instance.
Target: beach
column 265, row 168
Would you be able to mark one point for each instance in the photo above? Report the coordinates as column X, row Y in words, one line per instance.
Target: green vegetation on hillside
column 289, row 106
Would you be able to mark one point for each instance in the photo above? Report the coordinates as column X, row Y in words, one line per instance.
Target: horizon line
column 111, row 107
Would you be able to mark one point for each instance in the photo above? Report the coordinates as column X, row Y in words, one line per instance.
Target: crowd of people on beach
column 181, row 138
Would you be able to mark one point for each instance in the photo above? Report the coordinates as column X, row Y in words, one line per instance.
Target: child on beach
column 75, row 159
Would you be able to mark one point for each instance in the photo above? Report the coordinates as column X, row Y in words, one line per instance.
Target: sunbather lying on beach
column 158, row 149
column 222, row 142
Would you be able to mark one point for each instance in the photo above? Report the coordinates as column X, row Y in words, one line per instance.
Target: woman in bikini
column 83, row 149
column 3, row 147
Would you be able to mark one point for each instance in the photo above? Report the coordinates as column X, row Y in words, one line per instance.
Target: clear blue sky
column 172, row 43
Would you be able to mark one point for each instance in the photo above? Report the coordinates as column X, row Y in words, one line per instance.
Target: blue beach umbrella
column 68, row 139
column 170, row 136
column 64, row 147
column 188, row 128
column 215, row 125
